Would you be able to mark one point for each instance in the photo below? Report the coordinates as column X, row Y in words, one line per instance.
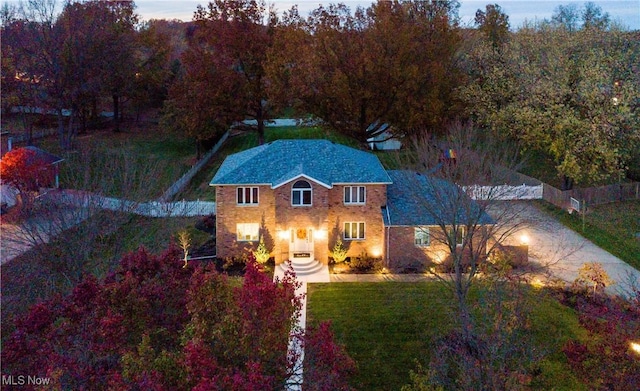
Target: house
column 300, row 196
column 383, row 139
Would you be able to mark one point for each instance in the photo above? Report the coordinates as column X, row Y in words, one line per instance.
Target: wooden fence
column 181, row 183
column 591, row 195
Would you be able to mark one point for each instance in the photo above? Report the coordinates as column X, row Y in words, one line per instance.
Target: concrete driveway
column 563, row 251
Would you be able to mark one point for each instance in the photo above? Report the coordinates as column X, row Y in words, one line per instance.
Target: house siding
column 228, row 214
column 369, row 213
column 277, row 217
column 403, row 253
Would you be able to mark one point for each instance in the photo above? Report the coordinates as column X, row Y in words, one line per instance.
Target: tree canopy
column 154, row 324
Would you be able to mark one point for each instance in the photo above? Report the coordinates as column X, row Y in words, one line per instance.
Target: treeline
column 566, row 88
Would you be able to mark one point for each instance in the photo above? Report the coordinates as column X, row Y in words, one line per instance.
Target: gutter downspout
column 388, row 234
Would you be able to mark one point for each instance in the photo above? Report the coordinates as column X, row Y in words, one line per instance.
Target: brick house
column 301, row 195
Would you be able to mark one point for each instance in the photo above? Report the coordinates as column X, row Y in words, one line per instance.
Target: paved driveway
column 563, row 251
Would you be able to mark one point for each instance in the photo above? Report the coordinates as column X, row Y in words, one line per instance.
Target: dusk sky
column 626, row 12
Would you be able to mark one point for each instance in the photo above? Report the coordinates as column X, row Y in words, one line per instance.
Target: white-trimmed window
column 355, row 195
column 421, row 236
column 247, row 196
column 459, row 235
column 354, row 230
column 247, row 232
column 301, row 194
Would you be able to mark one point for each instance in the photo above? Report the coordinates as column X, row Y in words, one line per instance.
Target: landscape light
column 524, row 239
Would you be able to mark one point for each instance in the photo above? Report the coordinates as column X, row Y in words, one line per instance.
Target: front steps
column 306, row 270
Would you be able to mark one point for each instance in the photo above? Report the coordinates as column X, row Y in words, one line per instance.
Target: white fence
column 504, row 192
column 149, row 209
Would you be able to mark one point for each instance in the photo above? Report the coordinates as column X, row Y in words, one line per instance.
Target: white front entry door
column 301, row 245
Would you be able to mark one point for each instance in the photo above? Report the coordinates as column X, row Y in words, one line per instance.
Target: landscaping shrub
column 366, row 263
column 605, row 359
column 207, row 224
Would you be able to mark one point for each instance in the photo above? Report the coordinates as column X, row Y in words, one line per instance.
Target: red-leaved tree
column 155, row 325
column 25, row 171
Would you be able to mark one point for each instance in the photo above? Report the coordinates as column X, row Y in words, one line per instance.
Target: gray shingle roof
column 43, row 156
column 281, row 161
column 414, row 199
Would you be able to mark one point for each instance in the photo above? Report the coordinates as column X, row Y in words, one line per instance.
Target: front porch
column 306, row 269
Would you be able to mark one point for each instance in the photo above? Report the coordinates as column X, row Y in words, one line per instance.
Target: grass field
column 155, row 157
column 389, row 327
column 611, row 226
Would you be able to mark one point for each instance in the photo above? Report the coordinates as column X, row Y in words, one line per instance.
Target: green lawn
column 386, row 327
column 610, row 226
column 154, row 158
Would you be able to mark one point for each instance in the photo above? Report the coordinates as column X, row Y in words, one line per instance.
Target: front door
column 301, row 245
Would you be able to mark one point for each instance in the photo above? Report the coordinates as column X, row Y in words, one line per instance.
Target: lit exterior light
column 635, row 347
column 376, row 252
column 439, row 256
column 283, row 235
column 537, row 283
column 525, row 239
column 319, row 234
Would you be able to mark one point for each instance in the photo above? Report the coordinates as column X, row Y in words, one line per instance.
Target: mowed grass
column 611, row 226
column 388, row 328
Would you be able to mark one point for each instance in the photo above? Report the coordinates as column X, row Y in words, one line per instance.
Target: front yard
column 390, row 327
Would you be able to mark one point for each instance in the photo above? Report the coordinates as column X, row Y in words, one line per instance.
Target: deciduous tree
column 23, row 169
column 392, row 63
column 567, row 94
column 223, row 78
column 154, row 324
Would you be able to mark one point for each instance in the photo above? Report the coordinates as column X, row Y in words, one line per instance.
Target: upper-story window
column 355, row 195
column 247, row 196
column 301, row 194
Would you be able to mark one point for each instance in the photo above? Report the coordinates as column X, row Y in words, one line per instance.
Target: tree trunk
column 61, row 129
column 567, row 183
column 260, row 128
column 116, row 113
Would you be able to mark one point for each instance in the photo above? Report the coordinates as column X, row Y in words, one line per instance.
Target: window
column 460, row 235
column 353, row 230
column 354, row 195
column 421, row 236
column 301, row 194
column 247, row 196
column 247, row 232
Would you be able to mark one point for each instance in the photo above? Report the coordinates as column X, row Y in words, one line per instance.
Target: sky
column 627, row 12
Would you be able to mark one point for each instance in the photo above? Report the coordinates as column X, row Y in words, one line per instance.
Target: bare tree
column 62, row 230
column 458, row 187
